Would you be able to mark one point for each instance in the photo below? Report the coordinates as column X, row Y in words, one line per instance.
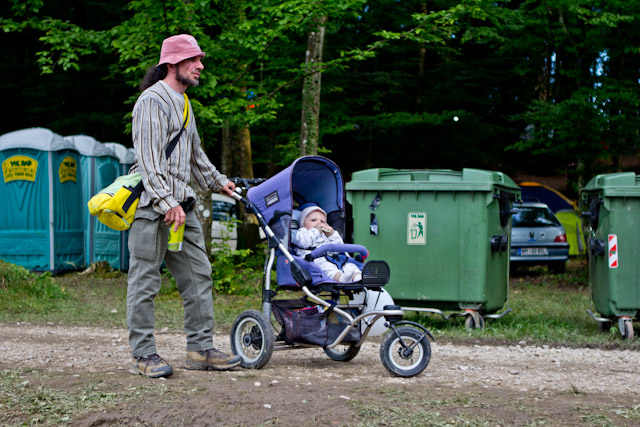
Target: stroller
column 337, row 317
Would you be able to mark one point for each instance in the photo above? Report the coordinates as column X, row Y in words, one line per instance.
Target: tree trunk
column 310, row 127
column 242, row 166
column 226, row 158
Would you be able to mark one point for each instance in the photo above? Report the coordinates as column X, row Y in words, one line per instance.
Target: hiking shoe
column 152, row 366
column 210, row 360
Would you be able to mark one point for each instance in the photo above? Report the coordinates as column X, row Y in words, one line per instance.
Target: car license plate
column 534, row 251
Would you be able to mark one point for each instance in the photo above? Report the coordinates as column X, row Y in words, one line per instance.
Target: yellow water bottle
column 175, row 238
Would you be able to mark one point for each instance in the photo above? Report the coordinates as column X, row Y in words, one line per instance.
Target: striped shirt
column 157, row 119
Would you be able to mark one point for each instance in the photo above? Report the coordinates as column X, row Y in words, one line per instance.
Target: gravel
column 522, row 368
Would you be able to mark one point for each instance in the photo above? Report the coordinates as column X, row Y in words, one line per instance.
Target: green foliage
column 536, row 85
column 20, row 286
column 235, row 271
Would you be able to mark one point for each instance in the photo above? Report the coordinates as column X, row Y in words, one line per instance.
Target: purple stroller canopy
column 311, row 179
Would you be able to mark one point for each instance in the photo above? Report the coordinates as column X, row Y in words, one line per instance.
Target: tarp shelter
column 99, row 166
column 41, row 210
column 565, row 209
column 126, row 156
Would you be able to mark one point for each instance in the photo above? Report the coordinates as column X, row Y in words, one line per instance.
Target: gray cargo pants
column 191, row 268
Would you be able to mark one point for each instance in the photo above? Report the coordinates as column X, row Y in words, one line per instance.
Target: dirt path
column 464, row 384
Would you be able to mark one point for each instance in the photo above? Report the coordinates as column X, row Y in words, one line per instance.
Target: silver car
column 538, row 238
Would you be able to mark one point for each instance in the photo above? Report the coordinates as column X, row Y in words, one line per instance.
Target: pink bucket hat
column 178, row 48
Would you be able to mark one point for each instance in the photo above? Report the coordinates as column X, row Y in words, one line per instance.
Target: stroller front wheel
column 405, row 352
column 252, row 339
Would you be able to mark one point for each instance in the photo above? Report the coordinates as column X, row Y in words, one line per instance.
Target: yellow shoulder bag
column 115, row 205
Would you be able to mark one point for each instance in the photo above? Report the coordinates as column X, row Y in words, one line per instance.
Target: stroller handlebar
column 242, row 185
column 247, row 182
column 339, row 247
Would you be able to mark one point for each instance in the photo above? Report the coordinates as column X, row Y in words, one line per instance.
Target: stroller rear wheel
column 405, row 351
column 342, row 352
column 252, row 339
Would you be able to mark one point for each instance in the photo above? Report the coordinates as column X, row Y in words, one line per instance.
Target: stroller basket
column 305, row 323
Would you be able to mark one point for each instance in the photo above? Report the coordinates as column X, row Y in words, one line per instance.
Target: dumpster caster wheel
column 626, row 329
column 405, row 352
column 470, row 323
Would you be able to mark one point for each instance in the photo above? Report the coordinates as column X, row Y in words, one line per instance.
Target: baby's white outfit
column 307, row 240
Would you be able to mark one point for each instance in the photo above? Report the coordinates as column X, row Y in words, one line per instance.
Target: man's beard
column 186, row 80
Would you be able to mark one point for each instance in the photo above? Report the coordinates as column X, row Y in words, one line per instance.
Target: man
column 158, row 117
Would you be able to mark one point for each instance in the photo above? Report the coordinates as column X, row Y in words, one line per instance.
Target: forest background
column 529, row 87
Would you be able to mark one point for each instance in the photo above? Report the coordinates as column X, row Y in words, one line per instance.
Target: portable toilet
column 41, row 212
column 100, row 167
column 126, row 156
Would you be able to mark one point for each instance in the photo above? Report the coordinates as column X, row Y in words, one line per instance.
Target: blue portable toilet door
column 66, row 199
column 24, row 216
column 106, row 242
column 40, row 217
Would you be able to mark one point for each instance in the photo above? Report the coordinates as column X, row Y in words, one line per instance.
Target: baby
column 316, row 232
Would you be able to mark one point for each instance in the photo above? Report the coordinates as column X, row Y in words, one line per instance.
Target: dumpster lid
column 620, row 184
column 35, row 138
column 431, row 180
column 88, row 146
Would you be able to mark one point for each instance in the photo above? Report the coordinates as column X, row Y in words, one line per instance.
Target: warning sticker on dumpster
column 613, row 251
column 417, row 228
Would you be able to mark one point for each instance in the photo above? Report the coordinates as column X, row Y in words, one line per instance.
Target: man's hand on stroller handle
column 242, row 184
column 229, row 188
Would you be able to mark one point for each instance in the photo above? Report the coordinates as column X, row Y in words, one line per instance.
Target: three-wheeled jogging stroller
column 337, row 317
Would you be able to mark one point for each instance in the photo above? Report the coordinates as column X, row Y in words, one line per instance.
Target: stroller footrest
column 376, row 273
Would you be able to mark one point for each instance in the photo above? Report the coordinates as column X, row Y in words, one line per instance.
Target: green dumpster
column 613, row 202
column 444, row 233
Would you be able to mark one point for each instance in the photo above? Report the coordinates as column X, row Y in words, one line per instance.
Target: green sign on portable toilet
column 100, row 167
column 444, row 233
column 126, row 156
column 613, row 202
column 41, row 209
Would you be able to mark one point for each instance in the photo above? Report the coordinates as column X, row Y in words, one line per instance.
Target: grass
column 99, row 298
column 26, row 398
column 547, row 309
column 411, row 411
column 23, row 402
